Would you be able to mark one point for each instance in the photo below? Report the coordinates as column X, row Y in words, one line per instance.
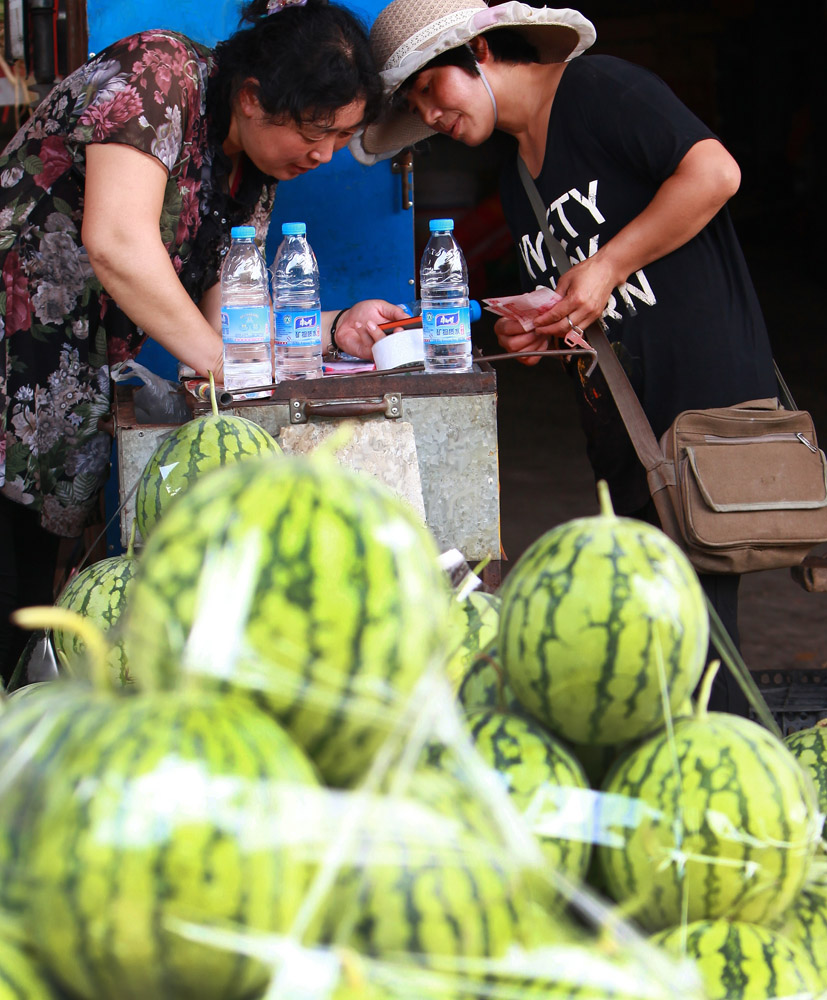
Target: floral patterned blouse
column 59, row 330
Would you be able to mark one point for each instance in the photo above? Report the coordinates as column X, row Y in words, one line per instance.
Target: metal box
column 454, row 426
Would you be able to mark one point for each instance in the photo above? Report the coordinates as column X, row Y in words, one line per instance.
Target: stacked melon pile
column 706, row 827
column 287, row 800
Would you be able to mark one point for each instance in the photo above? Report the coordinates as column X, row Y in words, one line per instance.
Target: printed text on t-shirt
column 568, row 216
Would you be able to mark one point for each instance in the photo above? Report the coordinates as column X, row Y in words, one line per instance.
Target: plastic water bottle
column 246, row 323
column 414, row 308
column 443, row 285
column 297, row 306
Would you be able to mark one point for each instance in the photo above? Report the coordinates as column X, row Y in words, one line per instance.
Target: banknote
column 523, row 308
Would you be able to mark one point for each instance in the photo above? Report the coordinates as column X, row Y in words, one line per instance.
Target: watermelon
column 484, row 685
column 598, row 760
column 810, row 747
column 805, row 923
column 35, row 723
column 170, row 807
column 98, row 592
column 599, row 617
column 742, row 961
column 191, row 450
column 321, row 592
column 547, row 785
column 563, row 969
column 20, row 978
column 477, row 630
column 718, row 821
column 423, row 873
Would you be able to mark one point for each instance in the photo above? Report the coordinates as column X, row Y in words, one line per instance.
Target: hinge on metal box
column 390, row 405
column 403, row 164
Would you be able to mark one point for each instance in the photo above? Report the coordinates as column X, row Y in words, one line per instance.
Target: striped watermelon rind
column 35, row 724
column 425, row 874
column 809, row 746
column 730, row 832
column 598, row 616
column 565, row 967
column 741, row 961
column 20, row 977
column 805, row 923
column 546, row 785
column 484, row 685
column 187, row 453
column 99, row 592
column 348, row 605
column 478, row 628
column 169, row 807
column 599, row 759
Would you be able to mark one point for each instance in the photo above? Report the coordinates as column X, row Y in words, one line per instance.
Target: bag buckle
column 809, row 444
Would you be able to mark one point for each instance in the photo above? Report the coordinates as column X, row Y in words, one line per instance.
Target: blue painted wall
column 204, row 22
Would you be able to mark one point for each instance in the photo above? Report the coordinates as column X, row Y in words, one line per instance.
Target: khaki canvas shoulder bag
column 739, row 488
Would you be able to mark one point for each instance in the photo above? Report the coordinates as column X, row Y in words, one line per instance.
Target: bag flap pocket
column 786, row 473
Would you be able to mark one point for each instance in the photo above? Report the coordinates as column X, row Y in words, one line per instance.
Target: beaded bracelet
column 334, row 347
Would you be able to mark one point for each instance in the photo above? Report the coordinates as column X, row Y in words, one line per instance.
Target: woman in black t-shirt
column 635, row 188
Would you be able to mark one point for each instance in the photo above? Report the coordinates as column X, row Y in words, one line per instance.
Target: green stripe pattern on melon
column 805, row 923
column 426, row 875
column 20, row 978
column 547, row 786
column 484, row 685
column 477, row 630
column 741, row 961
column 719, row 821
column 598, row 616
column 35, row 726
column 99, row 592
column 810, row 747
column 348, row 605
column 568, row 966
column 190, row 451
column 175, row 807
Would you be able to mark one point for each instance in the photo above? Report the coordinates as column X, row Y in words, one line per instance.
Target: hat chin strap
column 487, row 86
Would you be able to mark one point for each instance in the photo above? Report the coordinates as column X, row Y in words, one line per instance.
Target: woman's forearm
column 705, row 179
column 143, row 282
column 121, row 233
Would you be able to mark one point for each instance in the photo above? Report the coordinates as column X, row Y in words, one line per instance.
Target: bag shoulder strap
column 555, row 247
column 563, row 264
column 660, row 473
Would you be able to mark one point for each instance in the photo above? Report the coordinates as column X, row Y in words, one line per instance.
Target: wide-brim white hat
column 408, row 34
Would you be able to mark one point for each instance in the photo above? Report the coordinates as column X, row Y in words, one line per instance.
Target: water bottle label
column 298, row 328
column 446, row 326
column 245, row 324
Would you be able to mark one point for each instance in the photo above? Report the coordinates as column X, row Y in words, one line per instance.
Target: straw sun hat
column 407, row 34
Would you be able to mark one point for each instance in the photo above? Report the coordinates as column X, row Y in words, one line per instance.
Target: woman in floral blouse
column 122, row 188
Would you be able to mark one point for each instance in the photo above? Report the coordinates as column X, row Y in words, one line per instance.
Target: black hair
column 307, row 62
column 505, row 44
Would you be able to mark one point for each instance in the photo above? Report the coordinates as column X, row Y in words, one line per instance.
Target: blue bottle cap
column 293, row 228
column 441, row 225
column 476, row 310
column 243, row 232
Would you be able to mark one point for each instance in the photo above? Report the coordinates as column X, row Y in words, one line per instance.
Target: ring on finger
column 574, row 326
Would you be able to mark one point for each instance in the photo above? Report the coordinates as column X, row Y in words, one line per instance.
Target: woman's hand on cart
column 357, row 328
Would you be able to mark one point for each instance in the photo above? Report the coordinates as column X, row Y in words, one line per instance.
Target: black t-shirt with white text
column 687, row 327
